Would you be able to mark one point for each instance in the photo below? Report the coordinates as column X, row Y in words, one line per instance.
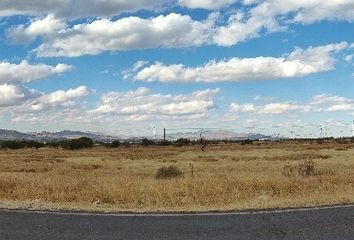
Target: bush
column 33, row 144
column 76, row 144
column 183, row 142
column 114, row 144
column 164, row 143
column 304, row 169
column 54, row 144
column 246, row 141
column 146, row 142
column 13, row 144
column 168, row 173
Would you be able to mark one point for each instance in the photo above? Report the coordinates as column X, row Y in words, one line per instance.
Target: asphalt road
column 328, row 223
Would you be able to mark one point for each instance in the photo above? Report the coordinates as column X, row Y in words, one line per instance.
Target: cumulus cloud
column 206, row 4
column 123, row 108
column 11, row 95
column 141, row 103
column 325, row 99
column 36, row 28
column 14, row 77
column 341, row 107
column 58, row 107
column 332, row 103
column 298, row 63
column 318, row 103
column 263, row 98
column 57, row 98
column 173, row 30
column 24, row 72
column 349, row 58
column 277, row 15
column 271, row 108
column 170, row 31
column 75, row 8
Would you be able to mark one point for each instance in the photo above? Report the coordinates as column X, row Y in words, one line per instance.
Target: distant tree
column 246, row 142
column 114, row 144
column 146, row 142
column 11, row 144
column 183, row 142
column 16, row 144
column 76, row 144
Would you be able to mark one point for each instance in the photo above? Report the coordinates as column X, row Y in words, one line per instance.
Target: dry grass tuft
column 168, row 173
column 303, row 169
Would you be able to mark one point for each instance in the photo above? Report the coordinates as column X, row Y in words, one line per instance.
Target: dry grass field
column 225, row 177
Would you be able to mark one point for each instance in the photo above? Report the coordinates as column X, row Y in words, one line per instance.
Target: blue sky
column 265, row 66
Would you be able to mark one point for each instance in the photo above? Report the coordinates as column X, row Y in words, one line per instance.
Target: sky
column 276, row 67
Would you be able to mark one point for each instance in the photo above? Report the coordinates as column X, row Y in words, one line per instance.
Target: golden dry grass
column 226, row 177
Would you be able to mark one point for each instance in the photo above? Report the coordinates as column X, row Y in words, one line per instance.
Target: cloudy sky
column 124, row 67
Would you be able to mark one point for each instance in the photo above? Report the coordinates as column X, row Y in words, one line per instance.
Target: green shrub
column 114, row 144
column 12, row 144
column 246, row 141
column 33, row 144
column 76, row 144
column 54, row 144
column 146, row 142
column 16, row 144
column 164, row 143
column 183, row 142
column 168, row 173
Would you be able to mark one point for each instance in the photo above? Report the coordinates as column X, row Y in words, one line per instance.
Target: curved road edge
column 180, row 213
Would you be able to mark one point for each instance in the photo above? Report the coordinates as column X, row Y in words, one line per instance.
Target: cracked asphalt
column 328, row 223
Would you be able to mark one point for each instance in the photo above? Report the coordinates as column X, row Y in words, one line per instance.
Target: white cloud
column 128, row 73
column 341, row 107
column 170, row 31
column 31, row 106
column 206, row 4
column 117, row 109
column 39, row 27
column 318, row 103
column 75, row 8
column 277, row 15
column 298, row 63
column 269, row 109
column 173, row 30
column 25, row 72
column 57, row 98
column 142, row 104
column 245, row 108
column 349, row 58
column 325, row 99
column 11, row 95
column 278, row 108
column 263, row 98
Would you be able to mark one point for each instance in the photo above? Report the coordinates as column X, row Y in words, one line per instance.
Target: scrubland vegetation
column 146, row 177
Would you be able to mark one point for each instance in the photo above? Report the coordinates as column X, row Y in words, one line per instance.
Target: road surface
column 321, row 223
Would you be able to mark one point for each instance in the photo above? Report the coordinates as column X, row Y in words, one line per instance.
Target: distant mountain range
column 216, row 135
column 67, row 134
column 51, row 136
